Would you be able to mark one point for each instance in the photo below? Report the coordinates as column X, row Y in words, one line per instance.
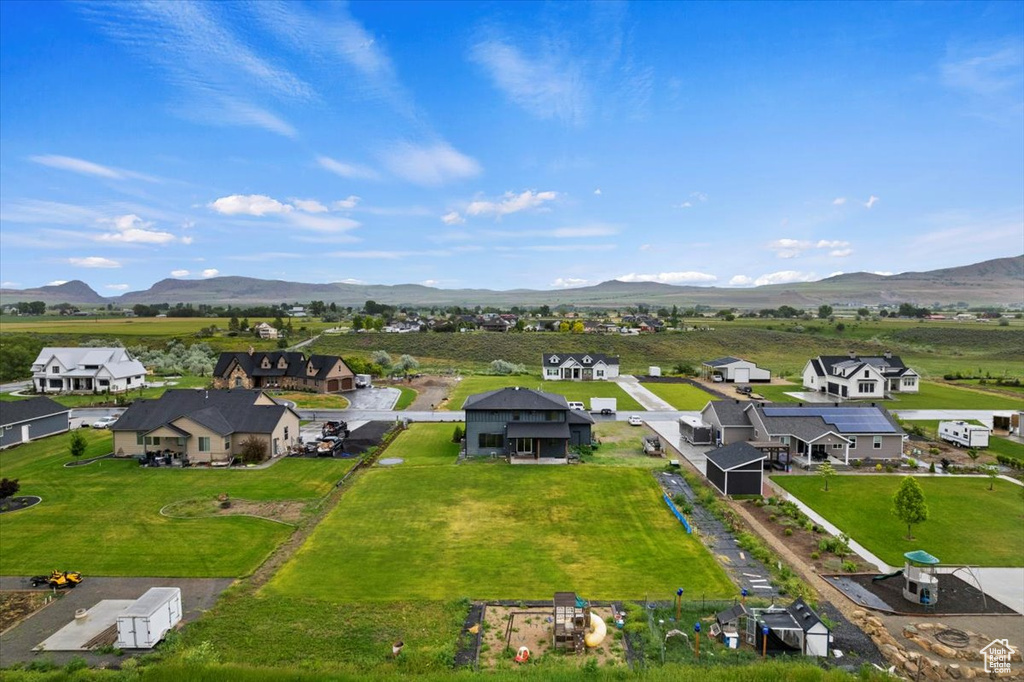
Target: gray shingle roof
column 730, row 412
column 18, row 411
column 515, row 398
column 538, row 430
column 735, row 455
column 728, row 360
column 223, row 412
column 578, row 357
column 296, row 363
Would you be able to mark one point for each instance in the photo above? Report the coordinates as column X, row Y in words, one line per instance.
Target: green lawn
column 499, row 531
column 572, row 390
column 122, row 398
column 968, row 523
column 934, row 396
column 103, row 518
column 1003, row 446
column 680, row 396
column 313, row 401
column 406, row 399
column 426, row 445
column 620, row 446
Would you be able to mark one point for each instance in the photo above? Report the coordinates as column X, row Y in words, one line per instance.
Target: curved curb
column 215, row 516
column 82, row 463
column 38, row 501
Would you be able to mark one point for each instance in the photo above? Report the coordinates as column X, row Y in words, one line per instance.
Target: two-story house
column 579, row 366
column 286, row 370
column 524, row 425
column 86, row 370
column 854, row 377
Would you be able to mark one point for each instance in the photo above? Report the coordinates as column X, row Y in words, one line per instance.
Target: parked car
column 635, row 420
column 104, row 422
column 575, row 405
column 334, row 428
column 744, row 390
column 717, row 378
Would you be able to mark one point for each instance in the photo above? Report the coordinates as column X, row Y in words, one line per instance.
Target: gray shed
column 736, row 469
column 25, row 420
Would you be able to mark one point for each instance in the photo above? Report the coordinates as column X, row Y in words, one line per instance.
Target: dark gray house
column 524, row 425
column 736, row 469
column 25, row 420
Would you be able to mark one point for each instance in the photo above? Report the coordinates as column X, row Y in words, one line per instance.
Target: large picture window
column 204, row 443
column 491, row 440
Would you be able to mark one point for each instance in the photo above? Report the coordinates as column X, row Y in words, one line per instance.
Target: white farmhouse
column 853, row 377
column 86, row 370
column 580, row 366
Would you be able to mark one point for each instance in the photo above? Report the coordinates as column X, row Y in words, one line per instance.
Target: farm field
column 498, row 531
column 104, row 518
column 968, row 524
column 572, row 390
column 138, row 326
column 680, row 396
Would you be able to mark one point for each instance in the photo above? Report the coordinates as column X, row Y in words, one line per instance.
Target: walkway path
column 631, row 385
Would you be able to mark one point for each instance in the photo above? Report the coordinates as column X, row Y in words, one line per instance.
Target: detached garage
column 736, row 469
column 25, row 420
column 735, row 370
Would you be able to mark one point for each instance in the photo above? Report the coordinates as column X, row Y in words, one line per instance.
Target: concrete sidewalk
column 631, row 385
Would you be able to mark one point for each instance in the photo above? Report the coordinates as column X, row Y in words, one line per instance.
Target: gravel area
column 197, row 596
column 856, row 646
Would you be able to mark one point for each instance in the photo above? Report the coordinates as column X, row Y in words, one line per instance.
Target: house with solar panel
column 805, row 434
column 854, row 377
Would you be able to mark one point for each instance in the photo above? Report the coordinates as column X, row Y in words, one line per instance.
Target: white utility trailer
column 145, row 622
column 695, row 431
column 603, row 405
column 964, row 434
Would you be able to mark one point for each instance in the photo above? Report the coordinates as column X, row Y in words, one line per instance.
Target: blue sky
column 506, row 145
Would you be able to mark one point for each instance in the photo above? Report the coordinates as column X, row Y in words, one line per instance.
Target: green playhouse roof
column 919, row 556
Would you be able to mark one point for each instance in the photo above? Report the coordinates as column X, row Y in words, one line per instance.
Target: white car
column 104, row 422
column 635, row 420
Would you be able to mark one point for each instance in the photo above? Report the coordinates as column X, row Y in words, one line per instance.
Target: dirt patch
column 431, row 391
column 532, row 628
column 17, row 606
column 284, row 511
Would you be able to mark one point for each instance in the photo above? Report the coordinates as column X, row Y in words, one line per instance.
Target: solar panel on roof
column 847, row 419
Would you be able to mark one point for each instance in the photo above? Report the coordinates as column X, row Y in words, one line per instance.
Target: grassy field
column 313, row 401
column 620, row 446
column 497, row 531
column 406, row 399
column 968, row 523
column 680, row 396
column 572, row 390
column 89, row 400
column 426, row 445
column 104, row 518
column 138, row 326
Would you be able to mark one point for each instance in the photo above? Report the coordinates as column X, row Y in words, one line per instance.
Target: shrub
column 9, row 487
column 504, row 367
column 254, row 450
column 458, row 434
column 815, row 555
column 789, row 532
column 849, row 566
column 77, row 445
column 931, row 468
column 911, row 462
column 878, row 467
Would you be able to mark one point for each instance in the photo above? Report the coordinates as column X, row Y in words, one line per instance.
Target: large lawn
column 934, row 396
column 968, row 523
column 680, row 396
column 104, row 518
column 572, row 390
column 498, row 531
column 89, row 399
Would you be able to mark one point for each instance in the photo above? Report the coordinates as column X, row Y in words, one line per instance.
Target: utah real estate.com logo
column 997, row 656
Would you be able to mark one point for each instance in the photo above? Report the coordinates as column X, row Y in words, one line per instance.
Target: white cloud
column 785, row 277
column 179, row 273
column 644, row 247
column 352, row 171
column 872, row 200
column 884, row 273
column 840, row 253
column 511, row 203
column 699, row 196
column 839, row 201
column 429, row 165
column 309, row 205
column 452, row 218
column 116, row 287
column 430, row 282
column 587, row 231
column 56, row 282
column 547, row 86
column 69, row 163
column 835, row 244
column 352, row 281
column 131, row 229
column 670, row 278
column 685, row 204
column 248, row 204
column 989, row 71
column 209, row 272
column 597, row 191
column 789, row 248
column 348, row 203
column 187, row 240
column 569, row 282
column 740, row 281
column 8, row 285
column 321, row 223
column 94, row 262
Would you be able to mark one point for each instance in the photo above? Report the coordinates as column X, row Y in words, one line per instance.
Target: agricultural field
column 104, row 518
column 680, row 396
column 968, row 523
column 572, row 390
column 153, row 327
column 497, row 531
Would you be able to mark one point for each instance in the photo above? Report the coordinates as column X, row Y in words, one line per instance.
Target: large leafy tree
column 908, row 504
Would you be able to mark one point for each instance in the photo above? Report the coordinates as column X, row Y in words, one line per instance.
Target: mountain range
column 993, row 282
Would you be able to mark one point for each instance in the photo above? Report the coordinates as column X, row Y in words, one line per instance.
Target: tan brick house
column 284, row 370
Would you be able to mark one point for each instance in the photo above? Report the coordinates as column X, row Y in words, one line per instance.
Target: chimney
column 887, row 355
column 852, row 354
column 251, row 350
column 799, row 404
column 836, row 404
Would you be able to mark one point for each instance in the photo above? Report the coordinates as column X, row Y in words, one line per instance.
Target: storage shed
column 145, row 622
column 735, row 369
column 25, row 420
column 736, row 469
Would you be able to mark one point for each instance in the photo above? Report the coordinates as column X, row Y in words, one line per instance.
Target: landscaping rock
column 953, row 670
column 942, row 650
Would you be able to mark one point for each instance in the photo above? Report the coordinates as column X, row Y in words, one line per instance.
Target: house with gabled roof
column 86, row 370
column 207, row 427
column 291, row 371
column 525, row 425
column 579, row 366
column 25, row 420
column 854, row 377
column 735, row 370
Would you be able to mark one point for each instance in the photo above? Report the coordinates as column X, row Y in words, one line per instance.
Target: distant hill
column 993, row 282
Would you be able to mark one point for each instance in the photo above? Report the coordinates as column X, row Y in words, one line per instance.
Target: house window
column 204, row 443
column 227, row 444
column 524, row 446
column 55, row 370
column 140, row 438
column 837, row 446
column 554, row 358
column 866, row 387
column 599, row 373
column 286, row 433
column 876, row 443
column 867, row 374
column 515, row 416
column 552, row 371
column 853, row 442
column 490, row 440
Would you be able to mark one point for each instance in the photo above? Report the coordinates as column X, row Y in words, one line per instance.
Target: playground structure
column 920, row 582
column 575, row 626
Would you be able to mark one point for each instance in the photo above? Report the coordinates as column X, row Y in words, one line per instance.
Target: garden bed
column 13, row 504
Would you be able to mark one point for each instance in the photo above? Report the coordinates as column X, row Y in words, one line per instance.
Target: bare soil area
column 285, row 511
column 19, row 605
column 431, row 391
column 532, row 628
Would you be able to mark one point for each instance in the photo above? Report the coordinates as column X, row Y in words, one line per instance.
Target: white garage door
column 742, row 375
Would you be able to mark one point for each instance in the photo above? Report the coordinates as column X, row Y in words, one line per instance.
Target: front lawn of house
column 968, row 523
column 581, row 391
column 312, row 401
column 680, row 396
column 104, row 518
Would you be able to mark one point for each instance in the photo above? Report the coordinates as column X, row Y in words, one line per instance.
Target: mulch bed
column 956, row 596
column 13, row 504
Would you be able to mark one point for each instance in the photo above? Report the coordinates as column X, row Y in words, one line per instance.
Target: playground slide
column 597, row 632
column 886, row 576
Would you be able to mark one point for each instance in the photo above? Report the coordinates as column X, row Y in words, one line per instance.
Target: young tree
column 381, row 357
column 973, row 454
column 992, row 473
column 456, row 435
column 824, row 311
column 908, row 504
column 9, row 487
column 77, row 444
column 826, row 471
